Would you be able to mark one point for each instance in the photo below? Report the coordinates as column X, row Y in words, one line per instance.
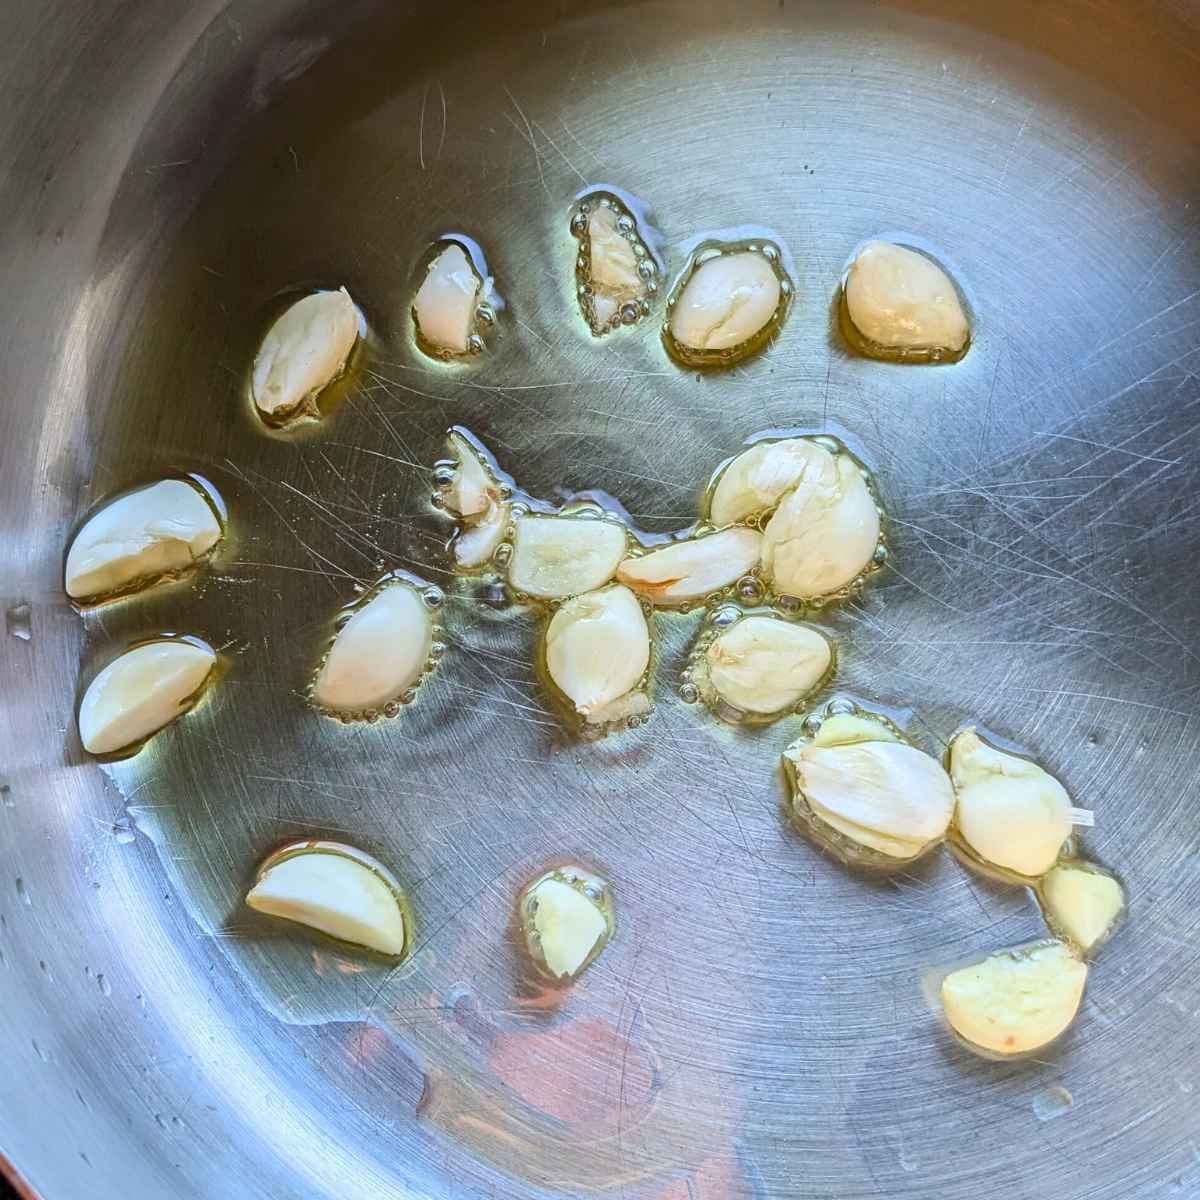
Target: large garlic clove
column 597, row 649
column 757, row 479
column 763, row 665
column 335, row 889
column 1081, row 903
column 140, row 537
column 446, row 303
column 304, row 351
column 1011, row 814
column 681, row 572
column 555, row 557
column 824, row 533
column 140, row 692
column 473, row 488
column 566, row 917
column 615, row 280
column 1015, row 1001
column 378, row 654
column 477, row 542
column 902, row 304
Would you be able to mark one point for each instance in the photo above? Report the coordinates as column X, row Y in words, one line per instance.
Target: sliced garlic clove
column 1015, row 1001
column 335, row 889
column 681, row 572
column 1081, row 902
column 566, row 916
column 614, row 280
column 304, row 351
column 597, row 649
column 140, row 537
column 1011, row 813
column 555, row 557
column 763, row 665
column 477, row 542
column 142, row 691
column 378, row 654
column 757, row 479
column 446, row 303
column 473, row 487
column 824, row 533
column 902, row 304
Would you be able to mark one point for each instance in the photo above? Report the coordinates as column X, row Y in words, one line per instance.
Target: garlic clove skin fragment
column 1082, row 903
column 756, row 480
column 335, row 889
column 140, row 537
column 141, row 692
column 597, row 649
column 724, row 311
column 682, row 572
column 304, row 351
column 446, row 303
column 555, row 557
column 1016, row 1001
column 1010, row 813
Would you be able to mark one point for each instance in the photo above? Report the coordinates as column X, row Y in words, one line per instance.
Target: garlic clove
column 727, row 304
column 473, row 487
column 597, row 649
column 304, row 351
column 555, row 557
column 477, row 542
column 378, row 654
column 757, row 479
column 901, row 303
column 334, row 889
column 763, row 665
column 824, row 533
column 1081, row 902
column 142, row 691
column 690, row 570
column 613, row 285
column 569, row 928
column 139, row 537
column 1011, row 813
column 1015, row 1001
column 845, row 729
column 446, row 303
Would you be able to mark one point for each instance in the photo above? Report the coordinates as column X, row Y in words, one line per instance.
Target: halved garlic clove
column 447, row 302
column 1011, row 813
column 566, row 916
column 825, row 532
column 140, row 537
column 478, row 540
column 756, row 480
column 473, row 487
column 689, row 570
column 1081, row 903
column 304, row 351
column 378, row 654
column 555, row 557
column 597, row 649
column 1015, row 1001
column 614, row 271
column 901, row 304
column 763, row 665
column 142, row 691
column 334, row 889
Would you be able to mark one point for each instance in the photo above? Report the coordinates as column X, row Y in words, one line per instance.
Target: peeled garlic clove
column 902, row 304
column 378, row 654
column 447, row 301
column 566, row 917
column 612, row 284
column 597, row 649
column 335, row 889
column 304, row 351
column 1016, row 1001
column 477, row 542
column 139, row 693
column 1081, row 902
column 1011, row 813
column 845, row 729
column 824, row 533
column 757, row 479
column 473, row 488
column 763, row 665
column 692, row 569
column 140, row 537
column 554, row 557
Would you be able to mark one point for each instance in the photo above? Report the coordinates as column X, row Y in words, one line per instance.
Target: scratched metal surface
column 756, row 1028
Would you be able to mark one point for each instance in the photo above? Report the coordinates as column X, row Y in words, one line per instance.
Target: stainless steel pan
column 757, row 1027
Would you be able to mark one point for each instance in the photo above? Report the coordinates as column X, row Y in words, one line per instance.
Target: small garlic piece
column 140, row 692
column 566, row 916
column 334, row 889
column 1015, row 1001
column 903, row 305
column 378, row 654
column 1081, row 903
column 1011, row 814
column 473, row 487
column 614, row 286
column 446, row 302
column 304, row 351
column 681, row 572
column 757, row 479
column 597, row 649
column 139, row 537
column 763, row 665
column 555, row 557
column 825, row 531
column 478, row 540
